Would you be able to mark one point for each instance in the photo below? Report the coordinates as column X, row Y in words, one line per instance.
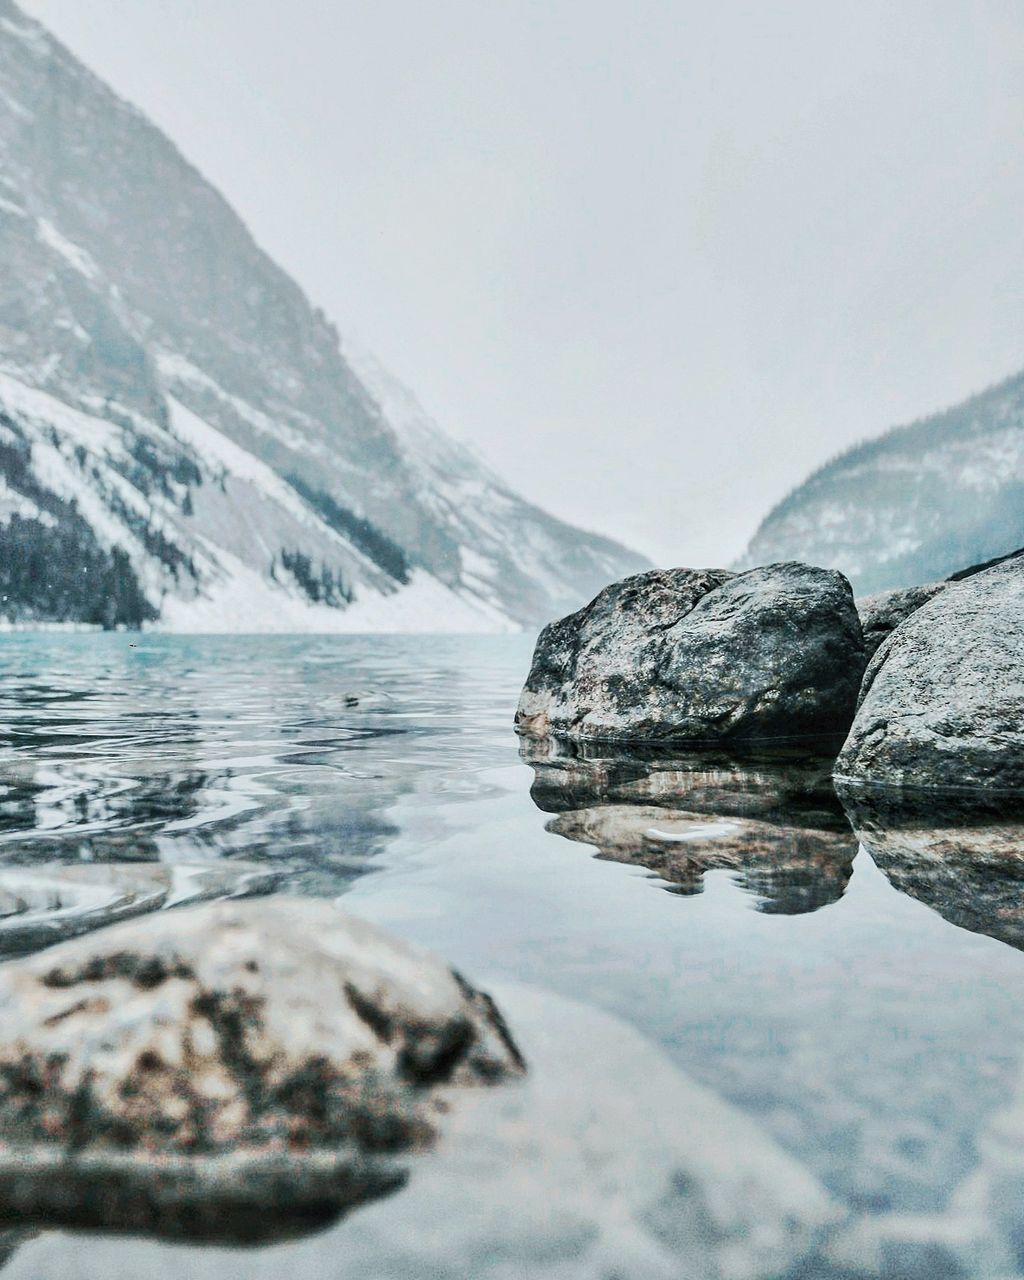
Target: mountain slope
column 177, row 417
column 914, row 505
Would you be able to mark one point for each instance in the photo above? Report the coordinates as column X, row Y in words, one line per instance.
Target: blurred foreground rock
column 605, row 1161
column 233, row 1071
column 45, row 904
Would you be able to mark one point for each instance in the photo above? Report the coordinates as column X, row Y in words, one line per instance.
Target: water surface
column 724, row 910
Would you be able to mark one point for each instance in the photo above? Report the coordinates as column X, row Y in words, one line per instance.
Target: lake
column 866, row 1010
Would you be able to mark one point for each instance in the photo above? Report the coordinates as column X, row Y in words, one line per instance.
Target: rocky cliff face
column 182, row 440
column 915, row 504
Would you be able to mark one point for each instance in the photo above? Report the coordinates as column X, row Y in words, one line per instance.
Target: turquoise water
column 871, row 1035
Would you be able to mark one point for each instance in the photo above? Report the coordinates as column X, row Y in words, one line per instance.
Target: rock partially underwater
column 606, row 1161
column 701, row 656
column 942, row 704
column 780, row 785
column 233, row 1071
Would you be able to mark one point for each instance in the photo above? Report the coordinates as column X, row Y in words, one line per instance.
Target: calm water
column 871, row 1034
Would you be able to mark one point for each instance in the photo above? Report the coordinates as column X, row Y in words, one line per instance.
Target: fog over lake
column 657, row 261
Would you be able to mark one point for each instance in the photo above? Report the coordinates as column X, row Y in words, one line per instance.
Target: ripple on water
column 865, row 1009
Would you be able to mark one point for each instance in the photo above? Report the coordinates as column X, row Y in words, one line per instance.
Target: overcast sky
column 656, row 259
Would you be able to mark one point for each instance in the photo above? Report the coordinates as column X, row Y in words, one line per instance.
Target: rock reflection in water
column 11, row 1241
column 962, row 854
column 774, row 820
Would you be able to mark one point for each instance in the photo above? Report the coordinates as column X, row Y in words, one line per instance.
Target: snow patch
column 246, row 602
column 54, row 472
column 82, row 262
column 32, row 35
column 47, row 411
column 15, row 107
column 175, row 368
column 13, row 503
column 477, row 566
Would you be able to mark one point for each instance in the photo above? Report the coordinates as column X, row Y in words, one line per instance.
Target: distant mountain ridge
column 914, row 505
column 183, row 442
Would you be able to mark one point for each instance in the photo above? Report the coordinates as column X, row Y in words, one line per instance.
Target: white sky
column 656, row 259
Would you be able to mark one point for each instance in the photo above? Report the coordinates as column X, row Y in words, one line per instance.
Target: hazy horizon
column 656, row 265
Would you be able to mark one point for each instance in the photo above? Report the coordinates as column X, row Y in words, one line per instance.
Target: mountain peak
column 172, row 402
column 915, row 504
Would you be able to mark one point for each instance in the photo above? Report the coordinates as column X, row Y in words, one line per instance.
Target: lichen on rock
column 701, row 656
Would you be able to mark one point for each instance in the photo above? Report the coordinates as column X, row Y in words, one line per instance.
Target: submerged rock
column 702, row 656
column 607, row 1161
column 942, row 702
column 234, row 1071
column 772, row 818
column 782, row 785
column 977, row 1234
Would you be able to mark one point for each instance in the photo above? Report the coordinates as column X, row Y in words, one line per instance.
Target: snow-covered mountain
column 914, row 505
column 183, row 442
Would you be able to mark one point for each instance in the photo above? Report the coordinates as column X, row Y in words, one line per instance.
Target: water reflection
column 43, row 905
column 872, row 1040
column 11, row 1241
column 149, row 785
column 277, row 761
column 774, row 821
column 962, row 854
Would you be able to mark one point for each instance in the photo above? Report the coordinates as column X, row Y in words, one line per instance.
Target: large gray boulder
column 687, row 655
column 942, row 702
column 232, row 1071
column 882, row 613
